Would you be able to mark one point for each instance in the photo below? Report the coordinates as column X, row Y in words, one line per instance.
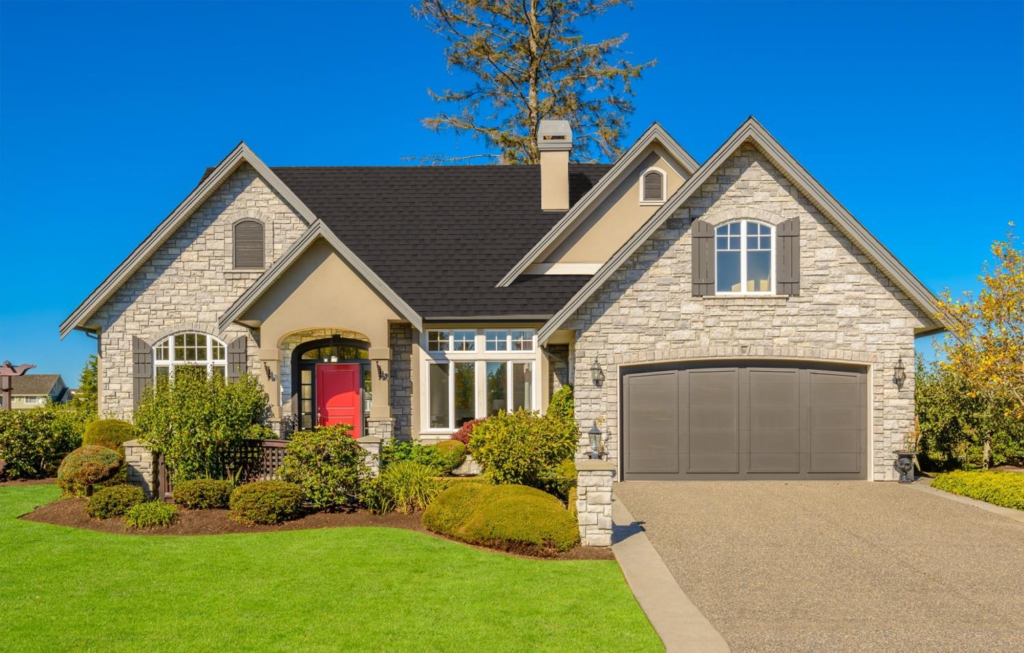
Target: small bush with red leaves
column 466, row 431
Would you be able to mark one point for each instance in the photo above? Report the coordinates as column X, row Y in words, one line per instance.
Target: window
column 744, row 255
column 497, row 340
column 439, row 404
column 437, row 341
column 497, row 387
column 509, row 340
column 652, row 187
column 248, row 244
column 190, row 353
column 464, row 341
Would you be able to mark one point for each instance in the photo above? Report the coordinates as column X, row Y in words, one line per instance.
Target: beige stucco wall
column 847, row 310
column 188, row 283
column 603, row 229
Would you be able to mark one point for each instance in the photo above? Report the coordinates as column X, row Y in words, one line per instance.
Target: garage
column 750, row 420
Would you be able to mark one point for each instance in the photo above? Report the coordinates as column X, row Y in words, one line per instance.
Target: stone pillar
column 371, row 445
column 594, row 501
column 141, row 464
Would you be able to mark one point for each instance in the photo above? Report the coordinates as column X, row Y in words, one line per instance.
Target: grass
column 346, row 589
column 1000, row 488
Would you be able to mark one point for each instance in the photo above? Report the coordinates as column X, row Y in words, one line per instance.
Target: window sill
column 652, row 203
column 755, row 298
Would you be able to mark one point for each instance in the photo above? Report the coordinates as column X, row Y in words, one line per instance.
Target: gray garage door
column 745, row 421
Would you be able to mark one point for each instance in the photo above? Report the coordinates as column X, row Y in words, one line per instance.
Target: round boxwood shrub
column 113, row 501
column 203, row 494
column 266, row 502
column 506, row 517
column 450, row 454
column 152, row 514
column 86, row 467
column 109, row 433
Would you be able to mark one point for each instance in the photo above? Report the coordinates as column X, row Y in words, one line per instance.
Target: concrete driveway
column 838, row 566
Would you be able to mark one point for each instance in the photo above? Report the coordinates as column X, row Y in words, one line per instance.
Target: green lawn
column 374, row 589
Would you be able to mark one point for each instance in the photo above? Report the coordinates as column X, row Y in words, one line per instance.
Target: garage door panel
column 774, row 421
column 653, row 420
column 835, row 463
column 714, row 442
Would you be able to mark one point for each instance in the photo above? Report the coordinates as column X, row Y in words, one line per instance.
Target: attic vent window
column 248, row 243
column 652, row 187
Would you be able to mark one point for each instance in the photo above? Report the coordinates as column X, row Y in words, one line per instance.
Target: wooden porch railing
column 254, row 460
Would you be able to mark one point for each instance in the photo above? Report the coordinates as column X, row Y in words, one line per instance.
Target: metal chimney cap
column 554, row 136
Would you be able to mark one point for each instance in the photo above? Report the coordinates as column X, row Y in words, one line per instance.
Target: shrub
column 151, row 514
column 405, row 486
column 85, row 467
column 113, row 501
column 266, row 502
column 520, row 447
column 33, row 442
column 466, row 431
column 109, row 433
column 505, row 517
column 203, row 493
column 560, row 479
column 450, row 454
column 1000, row 488
column 196, row 422
column 327, row 463
column 443, row 456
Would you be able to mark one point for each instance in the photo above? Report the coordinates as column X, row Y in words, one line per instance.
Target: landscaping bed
column 71, row 513
column 1004, row 489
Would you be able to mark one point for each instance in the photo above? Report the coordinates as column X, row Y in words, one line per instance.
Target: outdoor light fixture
column 597, row 373
column 595, row 441
column 900, row 375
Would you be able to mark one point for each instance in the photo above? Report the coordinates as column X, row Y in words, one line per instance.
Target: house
column 725, row 319
column 35, row 390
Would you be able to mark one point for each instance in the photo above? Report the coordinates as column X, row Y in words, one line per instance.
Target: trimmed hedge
column 999, row 488
column 450, row 454
column 87, row 467
column 152, row 514
column 114, row 501
column 109, row 433
column 266, row 502
column 505, row 517
column 203, row 493
column 34, row 441
column 444, row 456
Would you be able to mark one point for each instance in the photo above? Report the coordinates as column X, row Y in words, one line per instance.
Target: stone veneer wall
column 559, row 367
column 847, row 310
column 189, row 282
column 401, row 380
column 594, row 501
column 140, row 463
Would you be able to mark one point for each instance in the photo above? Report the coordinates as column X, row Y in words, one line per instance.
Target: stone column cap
column 595, row 466
column 132, row 443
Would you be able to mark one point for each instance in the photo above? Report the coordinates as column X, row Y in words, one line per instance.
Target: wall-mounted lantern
column 595, row 441
column 597, row 374
column 899, row 376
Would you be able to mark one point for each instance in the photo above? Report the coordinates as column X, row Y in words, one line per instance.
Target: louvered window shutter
column 652, row 187
column 703, row 258
column 248, row 242
column 787, row 257
column 142, row 368
column 237, row 360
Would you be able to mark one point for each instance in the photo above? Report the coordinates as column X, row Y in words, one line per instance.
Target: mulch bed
column 71, row 512
column 31, row 481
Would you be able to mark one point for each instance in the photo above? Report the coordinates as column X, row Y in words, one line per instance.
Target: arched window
column 248, row 244
column 194, row 352
column 744, row 258
column 652, row 188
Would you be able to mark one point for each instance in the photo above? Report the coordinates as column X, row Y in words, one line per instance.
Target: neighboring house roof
column 655, row 134
column 752, row 131
column 34, row 384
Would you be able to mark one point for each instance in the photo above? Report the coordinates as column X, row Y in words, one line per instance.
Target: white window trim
column 480, row 357
column 743, row 260
column 664, row 187
column 170, row 362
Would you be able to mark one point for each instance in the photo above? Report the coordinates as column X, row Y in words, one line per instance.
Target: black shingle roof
column 442, row 237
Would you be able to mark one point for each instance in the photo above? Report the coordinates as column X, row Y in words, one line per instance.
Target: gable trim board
column 318, row 230
column 752, row 131
column 181, row 213
column 654, row 133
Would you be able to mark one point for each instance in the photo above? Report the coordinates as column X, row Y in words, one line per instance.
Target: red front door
column 337, row 396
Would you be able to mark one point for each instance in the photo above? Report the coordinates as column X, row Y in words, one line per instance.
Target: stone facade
column 594, row 501
column 141, row 466
column 401, row 380
column 188, row 283
column 847, row 310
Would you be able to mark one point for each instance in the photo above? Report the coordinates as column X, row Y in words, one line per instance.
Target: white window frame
column 171, row 362
column 480, row 357
column 743, row 259
column 664, row 187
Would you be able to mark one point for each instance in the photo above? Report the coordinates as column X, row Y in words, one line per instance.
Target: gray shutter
column 238, row 361
column 142, row 368
column 248, row 243
column 652, row 187
column 787, row 257
column 703, row 258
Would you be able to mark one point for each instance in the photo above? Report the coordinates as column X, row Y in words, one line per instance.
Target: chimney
column 554, row 142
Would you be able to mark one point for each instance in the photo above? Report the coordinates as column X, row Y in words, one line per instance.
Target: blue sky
column 910, row 113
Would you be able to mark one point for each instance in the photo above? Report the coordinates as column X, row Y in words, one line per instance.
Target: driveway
column 838, row 566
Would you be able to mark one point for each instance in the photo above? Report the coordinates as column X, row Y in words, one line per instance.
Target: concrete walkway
column 850, row 566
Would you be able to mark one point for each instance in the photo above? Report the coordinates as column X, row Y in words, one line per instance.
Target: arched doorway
column 331, row 383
